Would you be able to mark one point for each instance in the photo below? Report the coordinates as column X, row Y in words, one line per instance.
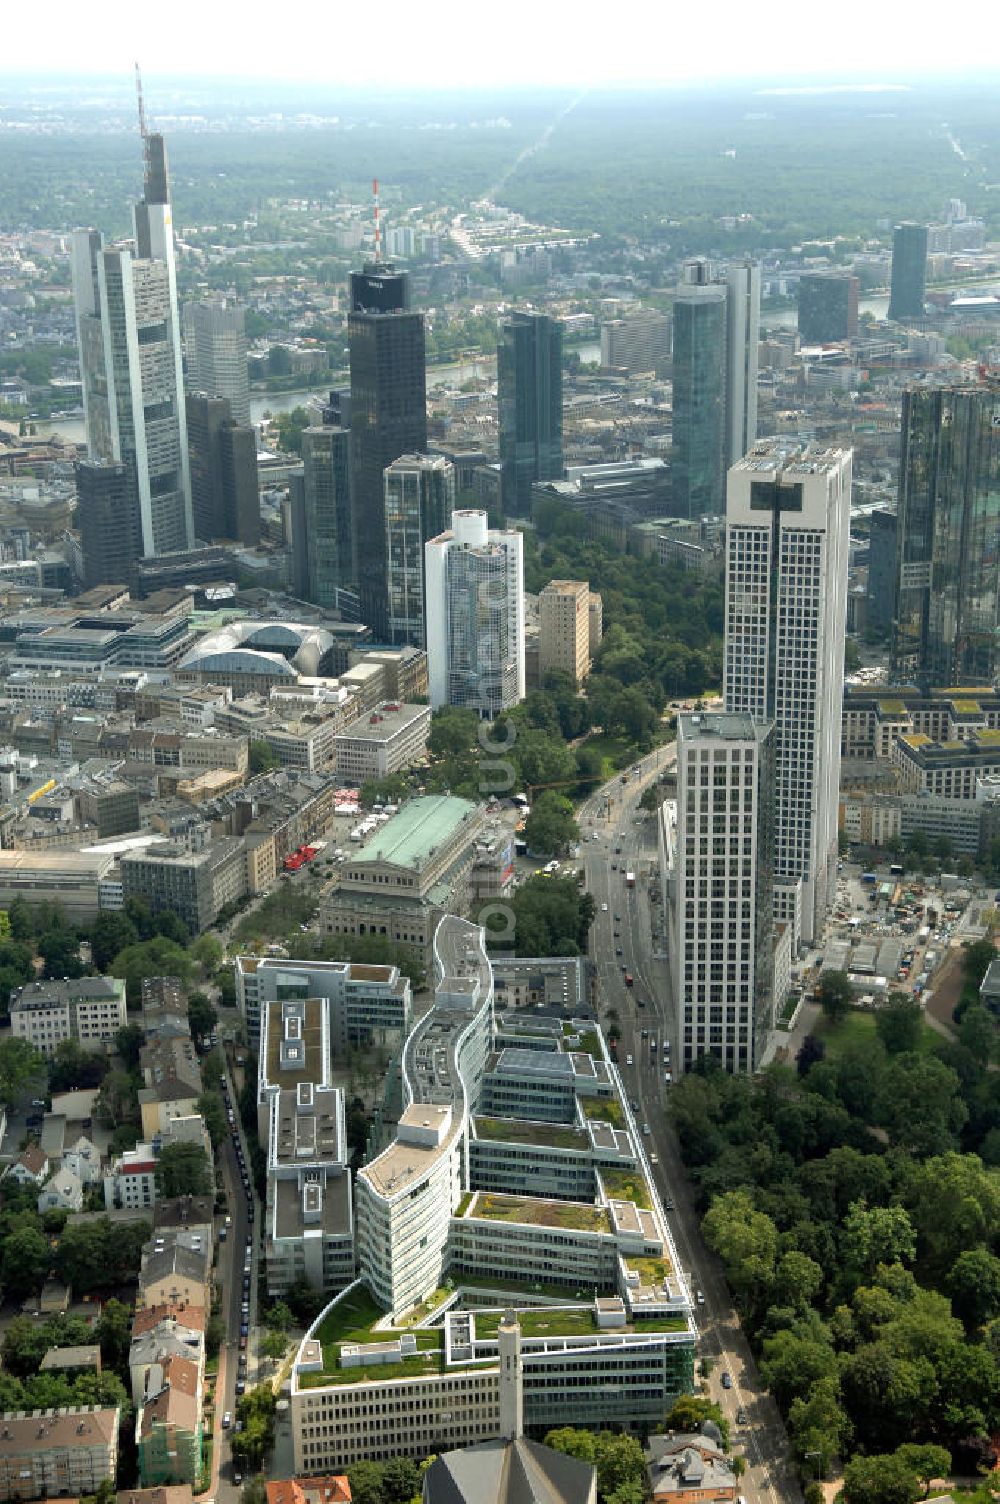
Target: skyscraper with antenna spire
column 128, row 332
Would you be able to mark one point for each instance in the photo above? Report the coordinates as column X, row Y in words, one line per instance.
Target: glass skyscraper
column 388, row 417
column 529, row 382
column 326, row 511
column 909, row 271
column 419, row 501
column 947, row 619
column 699, row 419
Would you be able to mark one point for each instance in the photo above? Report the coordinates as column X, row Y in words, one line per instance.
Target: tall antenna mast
column 143, row 128
column 378, row 227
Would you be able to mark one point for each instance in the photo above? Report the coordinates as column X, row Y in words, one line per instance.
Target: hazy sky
column 449, row 43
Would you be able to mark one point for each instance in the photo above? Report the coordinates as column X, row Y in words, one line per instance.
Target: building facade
column 388, row 416
column 638, row 342
column 947, row 619
column 909, row 271
column 225, row 500
column 419, row 501
column 788, row 519
column 108, row 521
column 742, row 340
column 720, row 872
column 564, row 637
column 529, row 388
column 216, row 346
column 828, row 307
column 880, row 591
column 699, row 417
column 326, row 482
column 90, row 1011
column 475, row 616
column 45, row 1453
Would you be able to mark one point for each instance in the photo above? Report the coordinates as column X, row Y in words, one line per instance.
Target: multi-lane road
column 627, row 935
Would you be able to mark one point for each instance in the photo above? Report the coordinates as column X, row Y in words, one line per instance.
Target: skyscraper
column 742, row 340
column 699, row 418
column 327, row 511
column 720, row 856
column 225, row 500
column 947, row 622
column 787, row 524
column 529, row 388
column 419, row 501
column 475, row 615
column 828, row 307
column 909, row 271
column 637, row 342
column 108, row 522
column 216, row 342
column 388, row 416
column 881, row 589
column 130, row 361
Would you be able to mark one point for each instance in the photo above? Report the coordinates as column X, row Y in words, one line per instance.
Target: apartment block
column 564, row 640
column 44, row 1453
column 89, row 1010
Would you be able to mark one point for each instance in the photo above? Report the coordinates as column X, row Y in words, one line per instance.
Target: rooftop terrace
column 534, row 1212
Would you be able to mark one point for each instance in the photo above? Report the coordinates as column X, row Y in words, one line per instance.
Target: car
column 618, row 919
column 618, row 950
column 700, row 1297
column 614, row 866
column 654, row 1159
column 243, row 1344
column 667, row 1078
column 668, row 1203
column 40, row 1101
column 645, row 1033
column 237, row 1478
column 727, row 1381
column 634, row 1106
column 604, row 908
column 629, row 1060
column 227, row 1420
column 244, row 1329
column 641, row 1002
column 645, row 1130
column 741, row 1417
column 241, row 1387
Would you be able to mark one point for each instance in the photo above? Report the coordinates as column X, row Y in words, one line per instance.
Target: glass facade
column 326, row 511
column 699, row 420
column 529, row 378
column 947, row 567
column 419, row 501
column 909, row 271
column 828, row 307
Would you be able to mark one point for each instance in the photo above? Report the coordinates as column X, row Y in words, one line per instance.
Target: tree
column 273, row 1345
column 978, row 1033
column 109, row 934
column 919, row 1103
column 183, row 1170
column 885, row 1478
column 158, row 957
column 690, row 1412
column 796, row 1359
column 818, row 1425
column 835, row 995
column 202, row 1017
column 211, row 1108
column 747, row 1242
column 898, row 1023
column 207, row 952
column 619, row 1462
column 550, row 828
column 20, row 1066
column 129, row 1042
column 262, row 758
column 114, row 1333
column 401, row 1480
column 74, row 1068
column 927, row 1461
column 877, row 1235
column 61, row 950
column 798, row 1280
column 278, row 1317
column 977, row 957
column 172, row 927
column 811, row 1051
column 254, row 1490
column 973, row 1283
column 24, row 1263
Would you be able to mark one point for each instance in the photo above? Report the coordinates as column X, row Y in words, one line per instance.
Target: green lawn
column 627, row 1185
column 650, row 1270
column 519, row 1131
column 538, row 1213
column 351, row 1319
column 857, row 1031
column 543, row 1321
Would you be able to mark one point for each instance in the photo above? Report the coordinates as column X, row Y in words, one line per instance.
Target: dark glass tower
column 947, row 622
column 327, row 511
column 699, row 422
column 107, row 516
column 828, row 307
column 909, row 271
column 388, row 417
column 529, row 380
column 225, row 499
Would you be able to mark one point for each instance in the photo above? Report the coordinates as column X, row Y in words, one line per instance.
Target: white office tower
column 216, row 344
column 130, row 362
column 787, row 522
column 719, row 841
column 474, row 579
column 742, row 339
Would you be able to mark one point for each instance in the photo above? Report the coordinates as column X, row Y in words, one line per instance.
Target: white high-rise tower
column 130, row 362
column 787, row 523
column 742, row 339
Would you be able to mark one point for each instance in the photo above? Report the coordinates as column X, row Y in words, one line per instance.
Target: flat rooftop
column 535, row 1212
column 383, row 724
column 335, row 1203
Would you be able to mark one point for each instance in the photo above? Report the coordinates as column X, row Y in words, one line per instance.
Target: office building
column 880, row 589
column 788, row 518
column 699, row 416
column 45, row 1453
column 130, row 361
column 742, row 341
column 637, row 343
column 326, row 514
column 419, row 501
column 475, row 616
column 828, row 307
column 389, row 739
column 195, row 885
column 529, row 389
column 216, row 346
column 107, row 520
column 366, row 1007
column 564, row 637
column 909, row 271
column 388, row 417
column 719, row 881
column 225, row 501
column 947, row 617
column 89, row 1011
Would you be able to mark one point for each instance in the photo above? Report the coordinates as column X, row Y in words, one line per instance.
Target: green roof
column 421, row 826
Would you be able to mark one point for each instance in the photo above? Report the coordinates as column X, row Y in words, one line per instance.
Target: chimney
column 511, row 1396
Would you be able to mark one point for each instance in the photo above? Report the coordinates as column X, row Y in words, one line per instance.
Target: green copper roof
column 422, row 826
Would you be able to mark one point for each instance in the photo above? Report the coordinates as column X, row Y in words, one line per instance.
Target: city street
column 627, row 842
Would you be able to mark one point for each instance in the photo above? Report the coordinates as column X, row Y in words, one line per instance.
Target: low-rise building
column 168, row 1427
column 68, row 879
column 131, row 1180
column 63, row 1193
column 689, row 1470
column 31, row 1167
column 88, row 1010
column 386, row 741
column 44, row 1453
